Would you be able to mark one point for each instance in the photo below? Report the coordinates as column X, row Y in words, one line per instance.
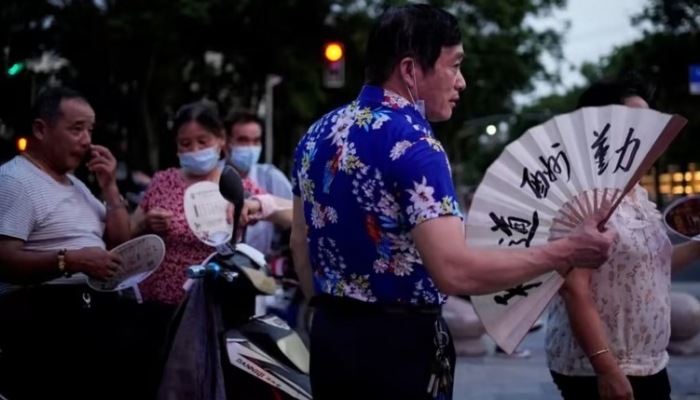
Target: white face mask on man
column 418, row 104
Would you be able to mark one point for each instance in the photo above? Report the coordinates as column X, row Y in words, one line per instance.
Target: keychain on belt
column 86, row 300
column 441, row 376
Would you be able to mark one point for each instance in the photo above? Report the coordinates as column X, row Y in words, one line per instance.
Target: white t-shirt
column 632, row 294
column 46, row 214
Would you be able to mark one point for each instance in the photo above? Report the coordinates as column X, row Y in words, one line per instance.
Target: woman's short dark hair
column 203, row 114
column 614, row 91
column 416, row 30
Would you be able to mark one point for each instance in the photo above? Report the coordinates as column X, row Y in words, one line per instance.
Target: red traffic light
column 333, row 51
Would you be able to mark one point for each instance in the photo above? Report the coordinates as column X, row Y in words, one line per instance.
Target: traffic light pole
column 270, row 83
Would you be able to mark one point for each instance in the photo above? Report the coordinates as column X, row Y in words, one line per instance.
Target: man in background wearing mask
column 243, row 145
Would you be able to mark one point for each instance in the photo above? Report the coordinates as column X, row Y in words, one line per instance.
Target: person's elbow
column 455, row 278
column 446, row 280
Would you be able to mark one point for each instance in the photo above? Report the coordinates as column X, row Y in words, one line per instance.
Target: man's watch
column 62, row 263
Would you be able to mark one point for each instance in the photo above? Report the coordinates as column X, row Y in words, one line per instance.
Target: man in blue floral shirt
column 377, row 224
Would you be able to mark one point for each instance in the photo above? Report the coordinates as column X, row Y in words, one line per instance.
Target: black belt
column 347, row 305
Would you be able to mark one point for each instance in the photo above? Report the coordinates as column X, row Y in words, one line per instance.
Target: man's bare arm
column 117, row 222
column 138, row 222
column 459, row 270
column 284, row 215
column 21, row 267
column 17, row 222
column 300, row 249
column 281, row 214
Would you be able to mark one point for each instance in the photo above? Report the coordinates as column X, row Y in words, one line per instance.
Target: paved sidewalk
column 498, row 378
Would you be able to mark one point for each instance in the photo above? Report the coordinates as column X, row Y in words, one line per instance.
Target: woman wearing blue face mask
column 200, row 141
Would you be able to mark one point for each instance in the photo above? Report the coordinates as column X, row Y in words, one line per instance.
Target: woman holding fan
column 200, row 140
column 608, row 329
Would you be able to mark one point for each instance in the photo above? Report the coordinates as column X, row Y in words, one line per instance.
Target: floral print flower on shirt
column 359, row 171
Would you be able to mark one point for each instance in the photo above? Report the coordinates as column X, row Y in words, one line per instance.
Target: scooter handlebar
column 203, row 271
column 211, row 270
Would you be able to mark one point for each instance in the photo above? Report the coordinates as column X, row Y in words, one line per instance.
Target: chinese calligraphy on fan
column 626, row 153
column 607, row 156
column 510, row 226
column 520, row 290
column 520, row 232
column 539, row 181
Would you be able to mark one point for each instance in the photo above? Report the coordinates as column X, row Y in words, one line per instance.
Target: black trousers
column 373, row 356
column 653, row 387
column 52, row 346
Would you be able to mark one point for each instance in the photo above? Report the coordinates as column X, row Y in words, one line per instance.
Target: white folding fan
column 545, row 183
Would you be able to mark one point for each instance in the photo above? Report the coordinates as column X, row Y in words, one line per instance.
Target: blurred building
column 672, row 182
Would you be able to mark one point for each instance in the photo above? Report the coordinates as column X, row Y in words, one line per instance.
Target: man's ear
column 406, row 69
column 39, row 129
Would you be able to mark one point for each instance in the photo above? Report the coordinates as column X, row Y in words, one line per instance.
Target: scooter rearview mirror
column 231, row 188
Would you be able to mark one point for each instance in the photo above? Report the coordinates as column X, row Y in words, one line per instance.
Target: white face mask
column 418, row 104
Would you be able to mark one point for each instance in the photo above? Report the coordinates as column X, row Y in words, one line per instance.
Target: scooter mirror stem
column 231, row 188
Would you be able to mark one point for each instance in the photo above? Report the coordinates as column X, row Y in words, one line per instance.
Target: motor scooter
column 267, row 358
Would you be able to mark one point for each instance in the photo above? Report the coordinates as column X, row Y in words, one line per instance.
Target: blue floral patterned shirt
column 368, row 173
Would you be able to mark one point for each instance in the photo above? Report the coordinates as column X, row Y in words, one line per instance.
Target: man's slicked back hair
column 47, row 106
column 416, row 30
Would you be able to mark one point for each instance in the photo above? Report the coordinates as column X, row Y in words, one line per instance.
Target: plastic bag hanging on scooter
column 265, row 359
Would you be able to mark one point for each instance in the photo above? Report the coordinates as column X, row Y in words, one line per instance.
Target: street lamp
column 472, row 129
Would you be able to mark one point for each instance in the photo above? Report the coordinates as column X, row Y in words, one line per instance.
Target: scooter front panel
column 251, row 359
column 275, row 336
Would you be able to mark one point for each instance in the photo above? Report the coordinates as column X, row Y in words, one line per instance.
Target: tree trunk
column 151, row 139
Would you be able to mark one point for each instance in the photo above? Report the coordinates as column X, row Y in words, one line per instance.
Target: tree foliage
column 138, row 61
column 663, row 56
